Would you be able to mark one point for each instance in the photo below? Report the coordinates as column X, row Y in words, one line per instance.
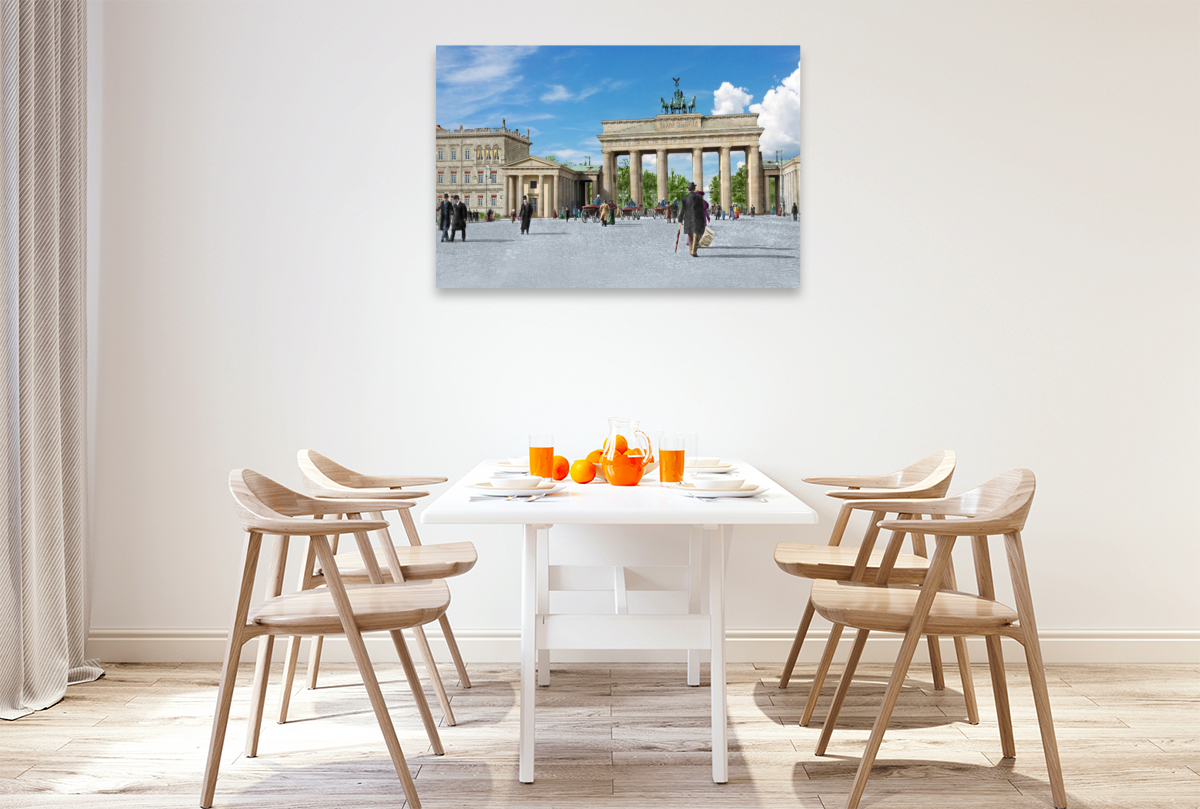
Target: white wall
column 1000, row 255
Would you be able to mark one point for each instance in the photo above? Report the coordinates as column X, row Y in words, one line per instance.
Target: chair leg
column 258, row 693
column 1008, row 742
column 935, row 662
column 414, row 684
column 790, row 663
column 233, row 651
column 314, row 661
column 1037, row 669
column 968, row 682
column 289, row 676
column 464, row 679
column 835, row 634
column 434, row 676
column 860, row 643
column 220, row 722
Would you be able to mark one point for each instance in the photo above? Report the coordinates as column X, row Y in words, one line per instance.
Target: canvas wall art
column 617, row 167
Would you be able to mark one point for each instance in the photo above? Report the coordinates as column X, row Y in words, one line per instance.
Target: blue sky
column 561, row 94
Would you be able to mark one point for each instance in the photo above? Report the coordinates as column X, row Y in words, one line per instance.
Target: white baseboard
column 742, row 646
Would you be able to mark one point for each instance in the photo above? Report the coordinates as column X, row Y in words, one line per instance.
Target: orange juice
column 541, row 461
column 670, row 465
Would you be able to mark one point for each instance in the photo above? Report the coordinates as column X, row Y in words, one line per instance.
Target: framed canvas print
column 617, row 167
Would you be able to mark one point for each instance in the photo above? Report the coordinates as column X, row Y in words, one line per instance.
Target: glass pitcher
column 628, row 453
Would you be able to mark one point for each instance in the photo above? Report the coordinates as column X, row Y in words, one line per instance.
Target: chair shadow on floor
column 862, row 704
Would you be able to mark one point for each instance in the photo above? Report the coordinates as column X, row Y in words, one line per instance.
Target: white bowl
column 723, row 483
column 519, row 461
column 518, row 482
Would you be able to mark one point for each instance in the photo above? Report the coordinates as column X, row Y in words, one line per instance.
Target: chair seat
column 837, row 563
column 376, row 607
column 889, row 608
column 417, row 562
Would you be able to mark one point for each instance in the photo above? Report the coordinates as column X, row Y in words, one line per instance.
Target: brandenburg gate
column 683, row 132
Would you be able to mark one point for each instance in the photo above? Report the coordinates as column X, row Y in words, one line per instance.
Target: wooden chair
column 264, row 507
column 998, row 507
column 406, row 563
column 928, row 477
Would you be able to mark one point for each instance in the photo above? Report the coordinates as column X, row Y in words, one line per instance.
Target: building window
column 454, row 154
column 532, row 184
column 441, row 179
column 493, row 176
column 453, row 178
column 440, row 155
column 467, row 154
column 493, row 200
column 480, row 178
column 479, row 203
column 467, row 177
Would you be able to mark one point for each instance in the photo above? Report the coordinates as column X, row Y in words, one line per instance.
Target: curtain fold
column 43, row 495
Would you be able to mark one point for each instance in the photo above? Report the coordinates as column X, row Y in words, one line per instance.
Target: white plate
column 708, row 465
column 497, row 488
column 747, row 490
column 709, row 470
column 509, row 466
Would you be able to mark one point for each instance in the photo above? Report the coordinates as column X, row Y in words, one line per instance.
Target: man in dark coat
column 526, row 214
column 444, row 214
column 795, row 211
column 691, row 214
column 459, row 221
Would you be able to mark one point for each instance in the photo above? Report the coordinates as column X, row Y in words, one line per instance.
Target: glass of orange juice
column 671, row 448
column 541, row 455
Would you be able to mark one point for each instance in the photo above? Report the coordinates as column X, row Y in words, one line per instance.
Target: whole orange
column 622, row 445
column 583, row 471
column 594, row 455
column 560, row 466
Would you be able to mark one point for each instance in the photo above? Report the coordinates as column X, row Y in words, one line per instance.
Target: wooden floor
column 610, row 736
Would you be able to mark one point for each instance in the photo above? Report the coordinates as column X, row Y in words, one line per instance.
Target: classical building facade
column 470, row 163
column 789, row 184
column 550, row 186
column 683, row 133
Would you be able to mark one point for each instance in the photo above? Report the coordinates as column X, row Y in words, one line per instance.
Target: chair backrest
column 318, row 469
column 928, row 477
column 933, row 469
column 1003, row 501
column 260, row 500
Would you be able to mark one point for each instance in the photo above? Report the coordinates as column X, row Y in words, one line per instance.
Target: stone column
column 660, row 158
column 762, row 183
column 698, row 169
column 753, row 177
column 510, row 198
column 553, row 194
column 635, row 175
column 726, row 183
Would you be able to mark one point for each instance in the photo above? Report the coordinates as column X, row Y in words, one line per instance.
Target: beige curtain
column 43, row 571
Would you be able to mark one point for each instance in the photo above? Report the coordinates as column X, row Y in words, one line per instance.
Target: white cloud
column 779, row 116
column 557, row 93
column 729, row 100
column 470, row 80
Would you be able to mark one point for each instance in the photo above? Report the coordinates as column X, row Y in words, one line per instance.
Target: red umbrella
column 677, row 232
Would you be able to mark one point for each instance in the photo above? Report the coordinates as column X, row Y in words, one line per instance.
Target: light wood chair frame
column 926, row 478
column 325, row 478
column 997, row 508
column 267, row 509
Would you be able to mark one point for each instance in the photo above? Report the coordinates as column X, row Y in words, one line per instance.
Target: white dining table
column 597, row 503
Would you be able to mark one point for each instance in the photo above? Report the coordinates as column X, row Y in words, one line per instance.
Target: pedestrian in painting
column 691, row 214
column 444, row 215
column 795, row 210
column 526, row 214
column 597, row 200
column 612, row 212
column 567, row 213
column 513, row 213
column 604, row 215
column 458, row 218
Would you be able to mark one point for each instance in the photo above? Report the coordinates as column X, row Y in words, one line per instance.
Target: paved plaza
column 751, row 252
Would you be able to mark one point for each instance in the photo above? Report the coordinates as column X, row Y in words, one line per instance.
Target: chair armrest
column 348, row 505
column 855, row 481
column 878, row 494
column 309, row 528
column 398, row 481
column 949, row 528
column 915, row 505
column 371, row 494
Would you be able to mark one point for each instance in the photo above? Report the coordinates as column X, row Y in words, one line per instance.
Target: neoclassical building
column 470, row 163
column 493, row 168
column 683, row 133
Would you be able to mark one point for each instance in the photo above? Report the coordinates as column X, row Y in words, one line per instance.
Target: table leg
column 543, row 599
column 716, row 608
column 528, row 650
column 695, row 564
